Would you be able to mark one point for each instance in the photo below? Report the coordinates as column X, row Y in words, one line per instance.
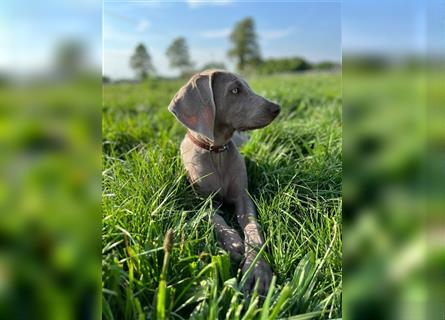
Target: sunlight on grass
column 294, row 168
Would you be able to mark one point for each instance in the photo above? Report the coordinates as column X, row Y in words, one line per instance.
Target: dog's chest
column 216, row 173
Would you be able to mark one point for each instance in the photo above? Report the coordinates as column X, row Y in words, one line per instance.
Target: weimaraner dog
column 213, row 105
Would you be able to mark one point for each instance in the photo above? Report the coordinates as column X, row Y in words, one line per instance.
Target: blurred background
column 50, row 98
column 50, row 83
column 393, row 148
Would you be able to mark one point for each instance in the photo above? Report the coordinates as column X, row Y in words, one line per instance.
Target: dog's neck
column 222, row 134
column 222, row 137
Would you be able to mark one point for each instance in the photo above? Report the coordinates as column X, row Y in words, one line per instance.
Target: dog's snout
column 274, row 109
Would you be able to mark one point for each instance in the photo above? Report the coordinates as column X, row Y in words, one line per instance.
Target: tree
column 70, row 57
column 276, row 65
column 245, row 46
column 140, row 62
column 214, row 65
column 326, row 65
column 178, row 54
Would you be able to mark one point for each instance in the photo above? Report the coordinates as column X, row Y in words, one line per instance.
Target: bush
column 273, row 65
column 326, row 65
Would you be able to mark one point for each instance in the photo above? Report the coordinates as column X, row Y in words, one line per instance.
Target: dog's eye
column 235, row 90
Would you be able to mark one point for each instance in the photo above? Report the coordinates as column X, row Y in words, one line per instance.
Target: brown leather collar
column 202, row 144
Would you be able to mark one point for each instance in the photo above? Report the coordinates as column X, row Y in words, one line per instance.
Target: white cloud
column 115, row 63
column 217, row 33
column 109, row 33
column 142, row 25
column 199, row 3
column 276, row 33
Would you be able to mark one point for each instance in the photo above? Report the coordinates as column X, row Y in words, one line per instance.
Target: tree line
column 245, row 51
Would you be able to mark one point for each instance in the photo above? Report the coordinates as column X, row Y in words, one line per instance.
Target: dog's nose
column 274, row 109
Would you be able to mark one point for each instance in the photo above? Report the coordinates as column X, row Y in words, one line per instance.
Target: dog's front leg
column 228, row 238
column 253, row 241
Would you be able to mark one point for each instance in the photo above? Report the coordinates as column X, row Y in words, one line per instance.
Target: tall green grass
column 294, row 168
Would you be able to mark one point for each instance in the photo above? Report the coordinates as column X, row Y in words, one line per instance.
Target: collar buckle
column 218, row 149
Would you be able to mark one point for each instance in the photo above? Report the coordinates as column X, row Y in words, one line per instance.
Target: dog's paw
column 261, row 272
column 235, row 250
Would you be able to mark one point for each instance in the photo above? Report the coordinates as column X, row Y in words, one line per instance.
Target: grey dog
column 213, row 105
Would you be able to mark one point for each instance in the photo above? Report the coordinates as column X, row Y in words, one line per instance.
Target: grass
column 294, row 168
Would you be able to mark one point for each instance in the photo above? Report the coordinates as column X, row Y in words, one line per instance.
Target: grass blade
column 265, row 310
column 162, row 289
column 280, row 302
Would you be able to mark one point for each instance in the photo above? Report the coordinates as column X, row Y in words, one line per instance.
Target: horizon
column 416, row 33
column 310, row 30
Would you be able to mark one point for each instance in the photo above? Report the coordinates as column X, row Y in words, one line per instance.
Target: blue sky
column 308, row 29
column 316, row 30
column 31, row 30
column 392, row 27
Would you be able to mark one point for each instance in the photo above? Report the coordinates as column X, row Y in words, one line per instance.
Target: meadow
column 294, row 169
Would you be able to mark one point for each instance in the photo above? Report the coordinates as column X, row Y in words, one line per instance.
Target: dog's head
column 216, row 99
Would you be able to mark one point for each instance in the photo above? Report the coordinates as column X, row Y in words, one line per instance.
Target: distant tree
column 214, row 65
column 178, row 54
column 140, row 62
column 245, row 45
column 70, row 57
column 4, row 79
column 370, row 63
column 277, row 65
column 326, row 65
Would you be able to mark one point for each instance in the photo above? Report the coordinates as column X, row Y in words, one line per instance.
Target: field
column 294, row 168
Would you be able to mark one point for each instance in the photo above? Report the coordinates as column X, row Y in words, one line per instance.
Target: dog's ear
column 194, row 106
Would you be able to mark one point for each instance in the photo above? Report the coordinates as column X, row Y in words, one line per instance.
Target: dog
column 213, row 105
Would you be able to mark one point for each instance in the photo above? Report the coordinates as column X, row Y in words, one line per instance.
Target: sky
column 397, row 27
column 311, row 30
column 30, row 31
